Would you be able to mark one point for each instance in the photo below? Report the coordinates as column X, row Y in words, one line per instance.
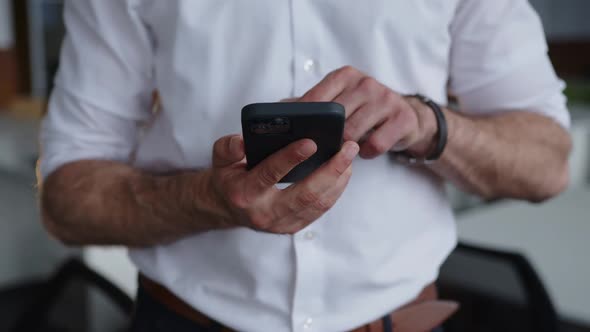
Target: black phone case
column 321, row 122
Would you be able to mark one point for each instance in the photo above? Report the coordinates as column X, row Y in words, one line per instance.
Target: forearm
column 104, row 202
column 518, row 155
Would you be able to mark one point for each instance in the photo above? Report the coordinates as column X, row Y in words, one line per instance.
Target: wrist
column 211, row 205
column 427, row 126
column 191, row 197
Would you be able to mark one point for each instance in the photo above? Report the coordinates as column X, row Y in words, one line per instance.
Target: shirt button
column 309, row 235
column 307, row 324
column 308, row 65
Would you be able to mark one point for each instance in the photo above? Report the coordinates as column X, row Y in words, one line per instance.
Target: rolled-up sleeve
column 103, row 87
column 500, row 62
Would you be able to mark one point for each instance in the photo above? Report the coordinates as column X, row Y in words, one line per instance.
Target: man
column 361, row 239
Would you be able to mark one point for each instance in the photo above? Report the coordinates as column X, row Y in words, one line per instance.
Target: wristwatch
column 441, row 136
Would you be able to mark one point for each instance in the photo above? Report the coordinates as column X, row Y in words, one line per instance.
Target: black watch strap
column 442, row 135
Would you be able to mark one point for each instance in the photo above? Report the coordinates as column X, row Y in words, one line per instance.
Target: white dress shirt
column 386, row 237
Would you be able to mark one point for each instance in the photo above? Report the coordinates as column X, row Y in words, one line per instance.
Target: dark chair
column 60, row 303
column 498, row 291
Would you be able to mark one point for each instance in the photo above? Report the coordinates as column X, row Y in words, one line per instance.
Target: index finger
column 333, row 85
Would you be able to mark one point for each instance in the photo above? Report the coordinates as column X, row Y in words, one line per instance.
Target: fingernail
column 307, row 149
column 351, row 151
column 234, row 145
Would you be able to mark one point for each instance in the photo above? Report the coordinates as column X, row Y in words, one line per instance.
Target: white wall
column 6, row 33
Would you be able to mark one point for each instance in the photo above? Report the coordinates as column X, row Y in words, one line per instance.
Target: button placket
column 307, row 323
column 309, row 273
column 308, row 65
column 309, row 281
column 305, row 60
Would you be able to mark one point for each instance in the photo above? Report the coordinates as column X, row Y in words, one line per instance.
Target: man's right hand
column 251, row 199
column 107, row 202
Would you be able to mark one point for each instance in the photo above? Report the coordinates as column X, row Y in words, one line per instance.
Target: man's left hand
column 380, row 119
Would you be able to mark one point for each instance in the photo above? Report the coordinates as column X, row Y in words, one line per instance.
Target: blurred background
column 520, row 267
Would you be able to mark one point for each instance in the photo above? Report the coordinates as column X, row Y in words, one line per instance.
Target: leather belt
column 423, row 314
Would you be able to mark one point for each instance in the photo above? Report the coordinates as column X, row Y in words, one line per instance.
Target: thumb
column 228, row 150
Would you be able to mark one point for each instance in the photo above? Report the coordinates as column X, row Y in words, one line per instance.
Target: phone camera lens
column 276, row 125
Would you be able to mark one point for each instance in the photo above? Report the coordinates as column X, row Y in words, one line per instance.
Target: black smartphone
column 269, row 127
